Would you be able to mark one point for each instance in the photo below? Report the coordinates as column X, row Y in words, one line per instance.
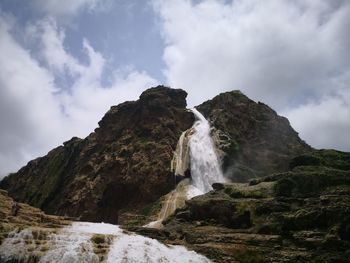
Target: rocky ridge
column 124, row 166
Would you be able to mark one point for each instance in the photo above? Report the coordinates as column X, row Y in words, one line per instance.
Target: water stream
column 75, row 244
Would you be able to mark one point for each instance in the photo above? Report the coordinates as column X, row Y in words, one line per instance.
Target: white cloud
column 59, row 7
column 285, row 53
column 35, row 113
column 325, row 123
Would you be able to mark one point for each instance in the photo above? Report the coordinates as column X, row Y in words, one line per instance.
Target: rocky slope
column 124, row 165
column 302, row 215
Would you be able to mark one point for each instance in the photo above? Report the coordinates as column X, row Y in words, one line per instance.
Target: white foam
column 205, row 165
column 135, row 249
column 73, row 244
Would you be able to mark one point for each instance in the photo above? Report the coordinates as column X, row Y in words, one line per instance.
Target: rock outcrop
column 124, row 166
column 302, row 215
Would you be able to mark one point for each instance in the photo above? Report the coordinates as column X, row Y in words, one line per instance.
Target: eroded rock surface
column 122, row 166
column 302, row 215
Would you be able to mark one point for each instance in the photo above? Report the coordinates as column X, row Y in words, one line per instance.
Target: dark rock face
column 257, row 141
column 123, row 165
column 301, row 215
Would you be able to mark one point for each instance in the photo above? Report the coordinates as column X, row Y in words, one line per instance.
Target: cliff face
column 256, row 140
column 125, row 164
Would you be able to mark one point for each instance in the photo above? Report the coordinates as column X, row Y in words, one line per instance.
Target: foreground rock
column 26, row 217
column 302, row 215
column 119, row 171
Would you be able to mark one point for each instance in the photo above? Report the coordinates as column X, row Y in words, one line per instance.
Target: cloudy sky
column 64, row 63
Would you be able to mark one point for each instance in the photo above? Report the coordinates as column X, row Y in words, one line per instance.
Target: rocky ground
column 302, row 215
column 27, row 217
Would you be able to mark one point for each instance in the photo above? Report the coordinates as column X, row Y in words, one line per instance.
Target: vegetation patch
column 152, row 208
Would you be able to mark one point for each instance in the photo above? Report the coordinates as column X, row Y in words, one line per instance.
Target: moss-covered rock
column 301, row 215
column 328, row 158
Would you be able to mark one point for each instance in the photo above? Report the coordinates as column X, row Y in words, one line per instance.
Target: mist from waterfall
column 205, row 165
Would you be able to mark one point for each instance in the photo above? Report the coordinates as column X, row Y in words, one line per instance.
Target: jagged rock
column 125, row 164
column 122, row 166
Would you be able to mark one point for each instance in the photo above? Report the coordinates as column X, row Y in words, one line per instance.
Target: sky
column 64, row 63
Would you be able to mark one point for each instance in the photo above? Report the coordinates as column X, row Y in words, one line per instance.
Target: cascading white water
column 74, row 244
column 205, row 165
column 196, row 151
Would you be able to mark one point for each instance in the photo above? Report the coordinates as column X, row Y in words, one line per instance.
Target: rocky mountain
column 124, row 165
column 284, row 202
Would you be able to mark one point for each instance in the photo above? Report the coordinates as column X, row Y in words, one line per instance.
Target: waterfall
column 205, row 165
column 196, row 151
column 90, row 243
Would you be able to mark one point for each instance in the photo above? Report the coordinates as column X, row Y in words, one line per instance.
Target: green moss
column 133, row 222
column 237, row 193
column 328, row 158
column 305, row 160
column 152, row 208
column 244, row 207
column 310, row 181
column 248, row 256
